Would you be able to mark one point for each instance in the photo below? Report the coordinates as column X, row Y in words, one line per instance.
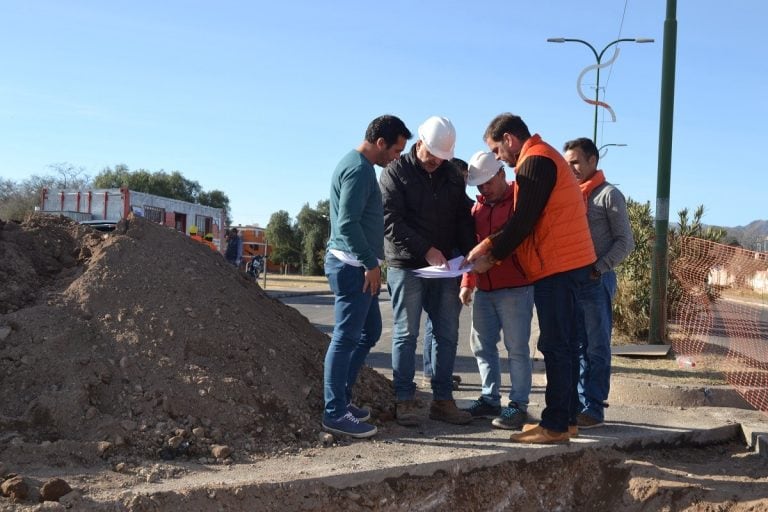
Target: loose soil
column 123, row 353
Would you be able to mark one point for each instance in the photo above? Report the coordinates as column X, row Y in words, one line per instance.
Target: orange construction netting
column 721, row 320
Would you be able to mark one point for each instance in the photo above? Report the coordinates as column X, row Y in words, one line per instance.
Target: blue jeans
column 555, row 297
column 356, row 330
column 440, row 299
column 509, row 311
column 594, row 320
column 429, row 341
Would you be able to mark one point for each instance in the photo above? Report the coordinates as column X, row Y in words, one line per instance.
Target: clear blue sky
column 261, row 99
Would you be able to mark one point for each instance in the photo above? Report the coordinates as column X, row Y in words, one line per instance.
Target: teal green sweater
column 357, row 216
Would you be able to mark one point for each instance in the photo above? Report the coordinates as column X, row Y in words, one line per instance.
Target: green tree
column 631, row 306
column 18, row 199
column 216, row 199
column 160, row 183
column 15, row 203
column 118, row 177
column 312, row 224
column 282, row 237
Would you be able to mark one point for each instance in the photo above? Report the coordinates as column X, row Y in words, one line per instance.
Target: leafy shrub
column 632, row 304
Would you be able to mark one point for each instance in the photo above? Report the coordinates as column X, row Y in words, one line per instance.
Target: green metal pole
column 597, row 98
column 659, row 267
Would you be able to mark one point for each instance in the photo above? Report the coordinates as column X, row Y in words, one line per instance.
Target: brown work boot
column 573, row 430
column 407, row 413
column 540, row 435
column 446, row 410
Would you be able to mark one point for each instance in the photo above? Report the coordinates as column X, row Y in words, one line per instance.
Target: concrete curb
column 280, row 294
column 434, row 447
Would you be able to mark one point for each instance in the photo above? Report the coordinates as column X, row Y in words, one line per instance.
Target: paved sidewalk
column 633, row 421
column 433, row 446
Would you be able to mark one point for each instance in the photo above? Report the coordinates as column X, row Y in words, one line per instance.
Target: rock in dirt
column 103, row 447
column 15, row 488
column 54, row 489
column 221, row 451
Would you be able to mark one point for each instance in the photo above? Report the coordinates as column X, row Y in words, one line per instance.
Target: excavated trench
column 589, row 480
column 577, row 481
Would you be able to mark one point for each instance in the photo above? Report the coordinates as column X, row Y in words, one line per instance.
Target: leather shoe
column 540, row 435
column 573, row 430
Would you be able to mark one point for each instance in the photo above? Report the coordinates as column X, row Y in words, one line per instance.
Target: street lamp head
column 598, row 59
column 607, row 145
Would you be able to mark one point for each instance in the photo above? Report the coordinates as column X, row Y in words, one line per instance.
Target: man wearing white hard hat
column 550, row 235
column 427, row 220
column 503, row 303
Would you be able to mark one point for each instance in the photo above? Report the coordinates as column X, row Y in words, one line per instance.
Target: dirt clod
column 15, row 488
column 54, row 489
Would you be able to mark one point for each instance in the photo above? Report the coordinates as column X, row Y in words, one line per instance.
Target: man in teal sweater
column 355, row 248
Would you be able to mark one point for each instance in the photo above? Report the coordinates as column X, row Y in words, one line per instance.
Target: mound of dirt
column 145, row 343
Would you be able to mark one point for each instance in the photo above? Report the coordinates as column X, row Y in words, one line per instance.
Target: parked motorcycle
column 255, row 267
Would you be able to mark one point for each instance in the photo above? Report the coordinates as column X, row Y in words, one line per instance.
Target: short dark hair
column 460, row 164
column 506, row 123
column 387, row 127
column 585, row 145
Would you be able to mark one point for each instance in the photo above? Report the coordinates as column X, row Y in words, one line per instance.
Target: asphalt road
column 319, row 310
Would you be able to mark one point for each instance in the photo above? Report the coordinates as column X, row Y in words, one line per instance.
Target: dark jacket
column 489, row 219
column 423, row 210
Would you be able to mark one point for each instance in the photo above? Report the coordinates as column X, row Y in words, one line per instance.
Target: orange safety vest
column 560, row 240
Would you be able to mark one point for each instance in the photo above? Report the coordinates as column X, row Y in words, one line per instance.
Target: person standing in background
column 193, row 234
column 234, row 250
column 612, row 237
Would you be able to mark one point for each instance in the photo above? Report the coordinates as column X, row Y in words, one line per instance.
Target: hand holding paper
column 480, row 249
column 451, row 269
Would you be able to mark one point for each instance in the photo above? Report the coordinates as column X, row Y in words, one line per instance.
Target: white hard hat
column 482, row 167
column 439, row 135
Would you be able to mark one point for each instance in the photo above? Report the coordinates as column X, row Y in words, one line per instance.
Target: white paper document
column 450, row 270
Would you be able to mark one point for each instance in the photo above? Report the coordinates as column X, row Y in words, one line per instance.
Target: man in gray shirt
column 612, row 236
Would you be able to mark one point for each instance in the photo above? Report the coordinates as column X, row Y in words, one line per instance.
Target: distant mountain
column 749, row 236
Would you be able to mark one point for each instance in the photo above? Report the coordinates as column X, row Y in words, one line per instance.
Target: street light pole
column 606, row 151
column 598, row 59
column 660, row 261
